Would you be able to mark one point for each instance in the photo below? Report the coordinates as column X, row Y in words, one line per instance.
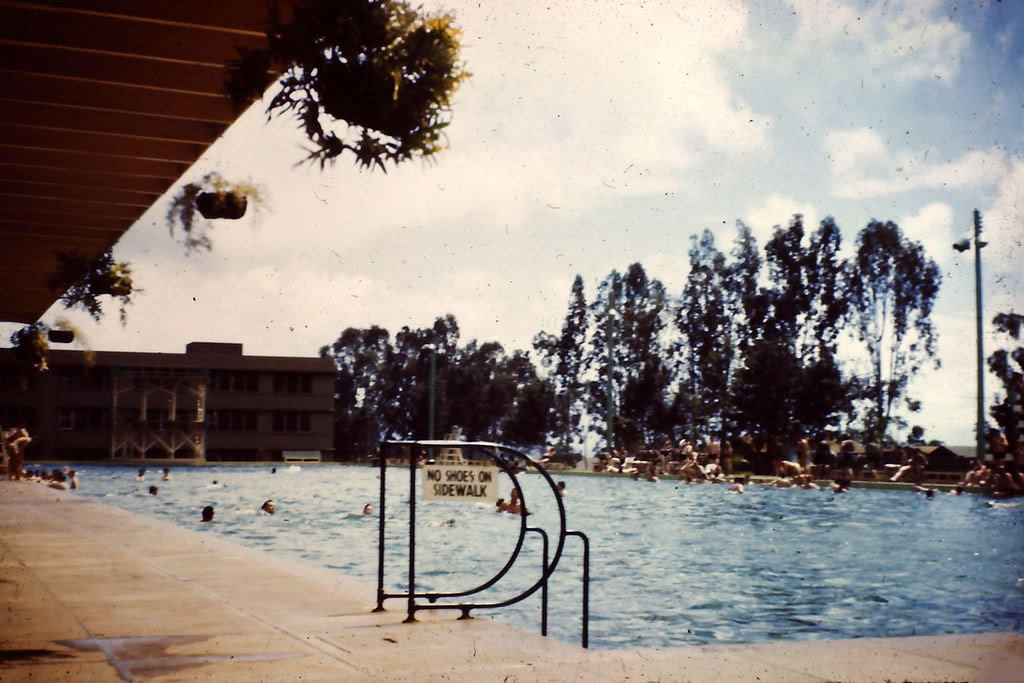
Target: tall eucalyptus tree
column 891, row 286
column 564, row 357
column 628, row 355
column 705, row 347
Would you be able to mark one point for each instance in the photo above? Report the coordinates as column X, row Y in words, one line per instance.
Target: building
column 211, row 403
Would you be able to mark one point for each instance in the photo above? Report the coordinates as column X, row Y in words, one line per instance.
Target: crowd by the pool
column 799, row 462
column 789, row 462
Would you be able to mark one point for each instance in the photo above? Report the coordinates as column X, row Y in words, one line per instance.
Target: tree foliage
column 705, row 348
column 383, row 70
column 564, row 358
column 891, row 287
column 382, row 388
column 1007, row 364
column 84, row 280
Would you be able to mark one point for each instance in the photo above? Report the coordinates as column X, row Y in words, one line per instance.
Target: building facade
column 211, row 403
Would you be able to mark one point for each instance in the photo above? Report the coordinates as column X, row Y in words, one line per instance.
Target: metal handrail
column 496, row 453
column 586, row 584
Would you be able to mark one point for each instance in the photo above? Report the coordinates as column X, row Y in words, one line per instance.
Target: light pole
column 962, row 246
column 430, row 400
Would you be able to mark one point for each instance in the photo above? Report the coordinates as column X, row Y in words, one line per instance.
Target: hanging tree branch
column 380, row 68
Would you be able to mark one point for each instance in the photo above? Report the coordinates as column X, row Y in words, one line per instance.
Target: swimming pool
column 671, row 564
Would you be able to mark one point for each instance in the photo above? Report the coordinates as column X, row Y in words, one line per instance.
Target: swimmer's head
column 208, row 513
column 153, row 490
column 268, row 507
column 367, row 509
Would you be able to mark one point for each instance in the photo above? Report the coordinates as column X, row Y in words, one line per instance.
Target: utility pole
column 978, row 244
column 962, row 246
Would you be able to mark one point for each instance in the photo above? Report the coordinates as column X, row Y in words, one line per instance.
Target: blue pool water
column 671, row 564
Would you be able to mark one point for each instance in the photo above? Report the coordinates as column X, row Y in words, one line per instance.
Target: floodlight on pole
column 962, row 246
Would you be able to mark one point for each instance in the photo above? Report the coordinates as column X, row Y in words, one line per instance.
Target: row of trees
column 750, row 346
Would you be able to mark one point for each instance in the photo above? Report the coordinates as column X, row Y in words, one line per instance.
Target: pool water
column 671, row 564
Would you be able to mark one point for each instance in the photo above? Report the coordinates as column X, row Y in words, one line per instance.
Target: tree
column 628, row 352
column 891, row 287
column 565, row 355
column 747, row 305
column 806, row 308
column 379, row 68
column 827, row 303
column 529, row 418
column 706, row 341
column 481, row 393
column 789, row 296
column 359, row 359
column 1008, row 366
column 767, row 387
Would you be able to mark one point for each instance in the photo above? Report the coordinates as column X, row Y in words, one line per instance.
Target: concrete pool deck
column 91, row 592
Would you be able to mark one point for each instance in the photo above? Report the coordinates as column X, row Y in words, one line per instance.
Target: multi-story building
column 211, row 403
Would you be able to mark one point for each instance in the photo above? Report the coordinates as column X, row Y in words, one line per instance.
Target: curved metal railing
column 509, row 461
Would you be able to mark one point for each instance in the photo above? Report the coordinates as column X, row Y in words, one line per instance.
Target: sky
column 596, row 134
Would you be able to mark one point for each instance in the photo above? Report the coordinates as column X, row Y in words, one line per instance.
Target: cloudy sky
column 594, row 134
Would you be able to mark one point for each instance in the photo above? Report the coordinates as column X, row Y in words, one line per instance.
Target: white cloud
column 777, row 210
column 909, row 40
column 1003, row 229
column 596, row 87
column 932, row 226
column 862, row 166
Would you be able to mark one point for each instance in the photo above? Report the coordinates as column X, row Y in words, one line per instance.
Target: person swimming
column 737, row 484
column 268, row 507
column 208, row 513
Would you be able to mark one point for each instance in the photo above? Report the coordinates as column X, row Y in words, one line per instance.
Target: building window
column 231, row 420
column 293, row 383
column 235, row 381
column 291, row 421
column 73, row 377
column 83, row 417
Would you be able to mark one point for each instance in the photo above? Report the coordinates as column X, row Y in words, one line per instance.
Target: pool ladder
column 511, row 462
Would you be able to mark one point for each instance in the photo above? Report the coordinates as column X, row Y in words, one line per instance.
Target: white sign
column 465, row 482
